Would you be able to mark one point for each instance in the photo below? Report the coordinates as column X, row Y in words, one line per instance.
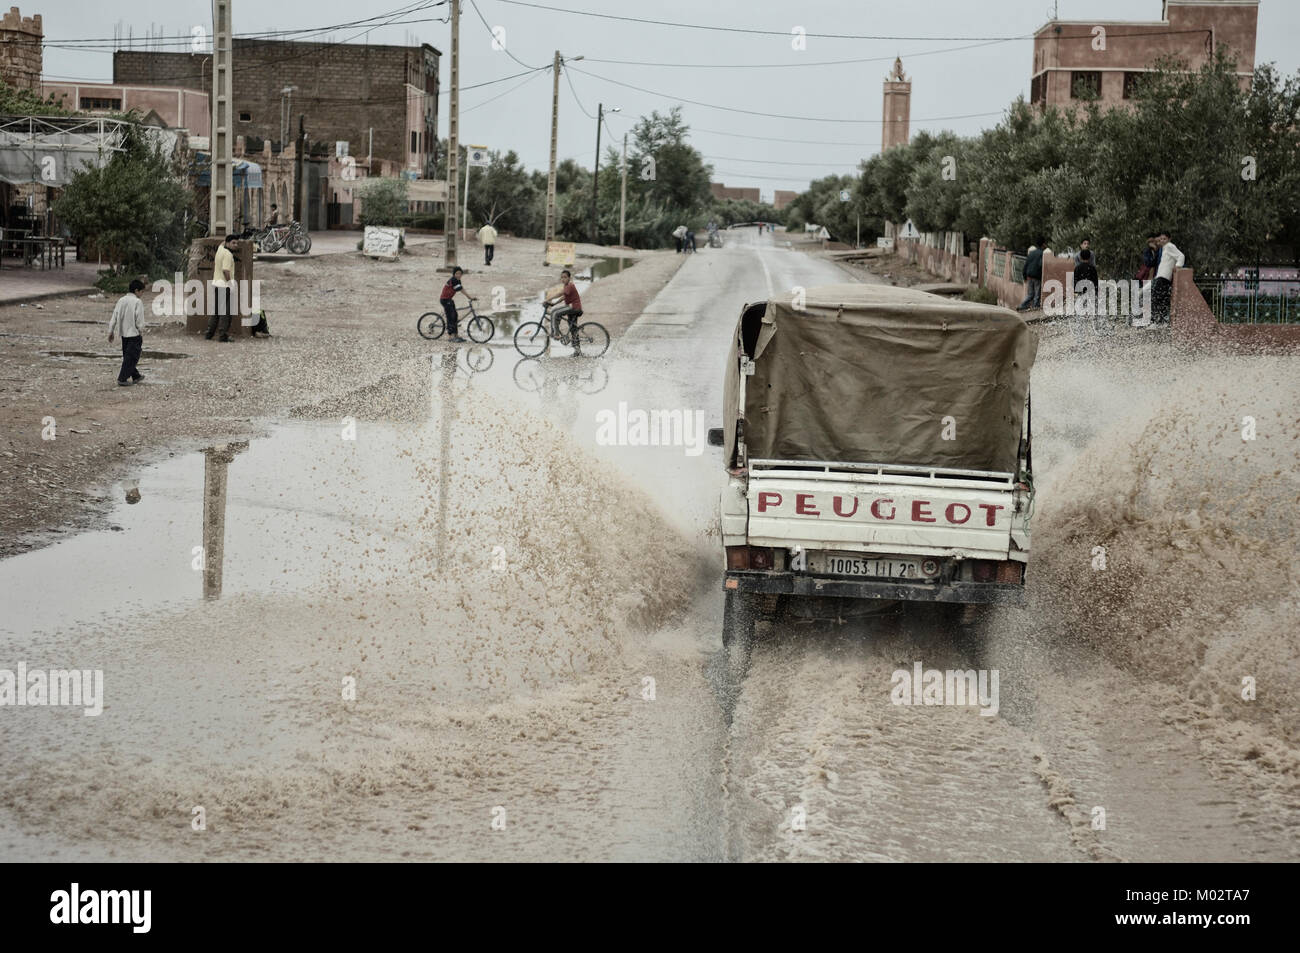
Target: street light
column 595, row 175
column 555, row 130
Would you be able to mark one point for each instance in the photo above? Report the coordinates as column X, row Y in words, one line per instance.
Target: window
column 91, row 102
column 245, row 117
column 415, row 143
column 1133, row 84
column 1038, row 89
column 1085, row 84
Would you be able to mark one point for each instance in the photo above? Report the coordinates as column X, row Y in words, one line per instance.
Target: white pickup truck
column 876, row 442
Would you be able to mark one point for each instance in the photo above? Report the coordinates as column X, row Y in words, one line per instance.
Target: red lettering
column 991, row 509
column 804, row 508
column 763, row 501
column 875, row 509
column 950, row 513
column 835, row 504
column 921, row 517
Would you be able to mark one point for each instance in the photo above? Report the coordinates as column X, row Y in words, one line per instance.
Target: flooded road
column 448, row 617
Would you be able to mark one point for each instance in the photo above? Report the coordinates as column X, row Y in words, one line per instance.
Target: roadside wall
column 1193, row 323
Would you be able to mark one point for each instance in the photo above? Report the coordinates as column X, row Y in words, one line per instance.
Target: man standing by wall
column 1161, row 291
column 1033, row 278
column 128, row 319
column 223, row 284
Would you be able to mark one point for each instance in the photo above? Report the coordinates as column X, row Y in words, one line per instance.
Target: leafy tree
column 19, row 101
column 133, row 209
column 383, row 201
column 504, row 194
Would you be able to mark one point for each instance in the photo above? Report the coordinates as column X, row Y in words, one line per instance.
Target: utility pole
column 622, row 202
column 555, row 132
column 453, row 142
column 223, row 161
column 299, row 169
column 595, row 174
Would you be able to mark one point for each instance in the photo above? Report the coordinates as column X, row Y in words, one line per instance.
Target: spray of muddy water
column 487, row 586
column 1192, row 504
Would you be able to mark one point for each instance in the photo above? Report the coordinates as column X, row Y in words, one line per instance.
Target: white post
column 464, row 215
column 622, row 203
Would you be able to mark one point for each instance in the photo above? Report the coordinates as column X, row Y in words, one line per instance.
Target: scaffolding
column 49, row 150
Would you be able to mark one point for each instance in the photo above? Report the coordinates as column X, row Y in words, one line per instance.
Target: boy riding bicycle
column 572, row 307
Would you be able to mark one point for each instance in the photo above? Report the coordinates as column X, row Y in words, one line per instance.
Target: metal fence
column 1018, row 268
column 1247, row 299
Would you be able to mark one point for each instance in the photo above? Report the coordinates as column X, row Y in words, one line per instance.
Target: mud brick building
column 20, row 49
column 1071, row 63
column 720, row 191
column 346, row 92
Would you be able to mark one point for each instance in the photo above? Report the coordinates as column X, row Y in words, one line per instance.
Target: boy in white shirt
column 1162, row 288
column 128, row 320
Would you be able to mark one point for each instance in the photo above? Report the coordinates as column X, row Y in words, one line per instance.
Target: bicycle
column 433, row 324
column 533, row 339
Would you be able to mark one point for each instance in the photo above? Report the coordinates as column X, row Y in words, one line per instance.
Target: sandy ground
column 322, row 346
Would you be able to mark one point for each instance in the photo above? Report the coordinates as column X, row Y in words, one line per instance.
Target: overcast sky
column 963, row 90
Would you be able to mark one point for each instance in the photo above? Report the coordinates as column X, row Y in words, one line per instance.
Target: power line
column 768, row 115
column 185, row 40
column 531, row 76
column 575, row 95
column 750, row 31
column 504, row 46
column 830, row 165
column 818, row 63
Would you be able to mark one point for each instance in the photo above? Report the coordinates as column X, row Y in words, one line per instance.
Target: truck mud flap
column 801, row 584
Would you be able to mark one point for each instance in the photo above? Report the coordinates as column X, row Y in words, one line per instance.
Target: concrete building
column 721, row 191
column 174, row 107
column 896, row 112
column 783, row 197
column 20, row 49
column 346, row 92
column 1074, row 59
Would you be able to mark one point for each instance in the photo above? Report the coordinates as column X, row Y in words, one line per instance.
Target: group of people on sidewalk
column 1160, row 259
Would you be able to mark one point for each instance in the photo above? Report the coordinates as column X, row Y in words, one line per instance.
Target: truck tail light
column 982, row 570
column 749, row 557
column 1011, row 571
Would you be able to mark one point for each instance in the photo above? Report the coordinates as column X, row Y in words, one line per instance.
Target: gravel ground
column 340, row 324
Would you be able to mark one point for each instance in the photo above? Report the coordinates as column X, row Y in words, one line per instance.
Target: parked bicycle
column 479, row 327
column 274, row 237
column 533, row 338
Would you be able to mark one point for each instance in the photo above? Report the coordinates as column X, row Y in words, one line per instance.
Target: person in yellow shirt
column 223, row 286
column 487, row 237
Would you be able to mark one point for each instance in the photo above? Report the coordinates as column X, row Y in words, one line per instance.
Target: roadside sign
column 478, row 156
column 844, row 195
column 561, row 253
column 380, row 242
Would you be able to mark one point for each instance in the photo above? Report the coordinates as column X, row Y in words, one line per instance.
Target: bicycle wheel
column 592, row 340
column 299, row 244
column 531, row 339
column 431, row 325
column 480, row 329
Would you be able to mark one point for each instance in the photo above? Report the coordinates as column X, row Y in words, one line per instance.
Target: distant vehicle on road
column 877, row 447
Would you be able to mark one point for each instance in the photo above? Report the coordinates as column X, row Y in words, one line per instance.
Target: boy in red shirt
column 572, row 307
column 448, row 301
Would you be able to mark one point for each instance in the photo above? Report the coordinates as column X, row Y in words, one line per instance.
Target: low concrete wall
column 1192, row 322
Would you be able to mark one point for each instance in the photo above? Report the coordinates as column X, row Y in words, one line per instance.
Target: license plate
column 886, row 568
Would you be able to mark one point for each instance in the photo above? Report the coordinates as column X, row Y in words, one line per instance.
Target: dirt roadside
column 340, row 324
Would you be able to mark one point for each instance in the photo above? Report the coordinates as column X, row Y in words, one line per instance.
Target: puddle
column 117, row 356
column 604, row 267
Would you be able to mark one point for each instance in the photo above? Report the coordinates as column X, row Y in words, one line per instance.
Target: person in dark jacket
column 1033, row 278
column 1085, row 289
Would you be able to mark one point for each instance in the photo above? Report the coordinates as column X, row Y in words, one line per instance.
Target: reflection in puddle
column 213, row 554
column 117, row 356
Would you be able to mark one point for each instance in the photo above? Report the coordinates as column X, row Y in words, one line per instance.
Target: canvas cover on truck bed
column 867, row 373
